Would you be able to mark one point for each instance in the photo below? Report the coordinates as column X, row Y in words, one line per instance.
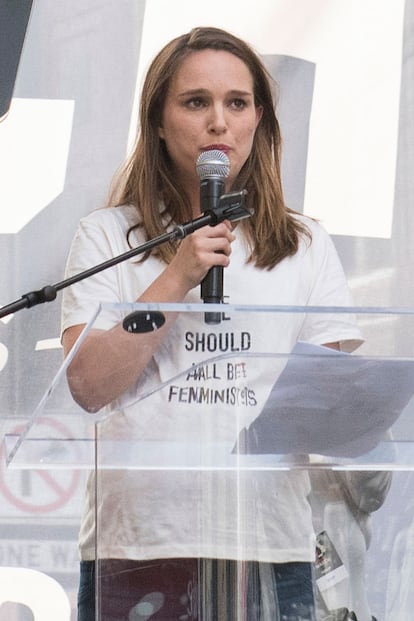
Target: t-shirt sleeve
column 330, row 289
column 91, row 246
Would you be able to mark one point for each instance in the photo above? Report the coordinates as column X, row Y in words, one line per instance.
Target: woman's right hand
column 197, row 253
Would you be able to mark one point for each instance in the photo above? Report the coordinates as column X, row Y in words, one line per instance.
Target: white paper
column 330, row 403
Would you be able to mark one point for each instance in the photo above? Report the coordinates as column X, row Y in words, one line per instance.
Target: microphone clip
column 231, row 207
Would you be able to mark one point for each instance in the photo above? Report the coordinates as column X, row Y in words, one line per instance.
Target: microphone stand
column 231, row 207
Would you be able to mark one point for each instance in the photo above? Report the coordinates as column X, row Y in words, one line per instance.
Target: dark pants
column 188, row 589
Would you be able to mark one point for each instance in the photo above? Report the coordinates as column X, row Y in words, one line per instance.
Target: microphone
column 212, row 167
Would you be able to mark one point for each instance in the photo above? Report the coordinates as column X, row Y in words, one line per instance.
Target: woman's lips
column 217, row 147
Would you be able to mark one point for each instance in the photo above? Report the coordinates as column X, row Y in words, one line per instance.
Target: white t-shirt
column 217, row 513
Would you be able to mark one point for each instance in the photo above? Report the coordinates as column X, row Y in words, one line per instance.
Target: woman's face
column 209, row 105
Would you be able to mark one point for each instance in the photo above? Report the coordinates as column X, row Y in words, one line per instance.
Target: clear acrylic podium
column 238, row 413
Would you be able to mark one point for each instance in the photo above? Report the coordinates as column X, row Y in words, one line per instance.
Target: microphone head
column 213, row 163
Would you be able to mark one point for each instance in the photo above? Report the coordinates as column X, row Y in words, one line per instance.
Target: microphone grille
column 213, row 163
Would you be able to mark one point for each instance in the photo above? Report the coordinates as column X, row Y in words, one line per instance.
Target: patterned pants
column 190, row 589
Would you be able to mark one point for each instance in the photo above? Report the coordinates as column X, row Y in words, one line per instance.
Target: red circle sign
column 56, row 487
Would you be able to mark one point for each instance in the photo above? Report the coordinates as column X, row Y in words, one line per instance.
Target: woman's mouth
column 217, row 147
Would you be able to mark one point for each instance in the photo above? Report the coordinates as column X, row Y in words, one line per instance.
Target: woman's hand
column 197, row 253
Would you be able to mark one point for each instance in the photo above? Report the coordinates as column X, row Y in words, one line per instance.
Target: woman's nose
column 217, row 120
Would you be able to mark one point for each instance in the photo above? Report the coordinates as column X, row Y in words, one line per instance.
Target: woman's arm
column 110, row 361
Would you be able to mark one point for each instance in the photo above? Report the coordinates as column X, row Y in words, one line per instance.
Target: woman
column 205, row 90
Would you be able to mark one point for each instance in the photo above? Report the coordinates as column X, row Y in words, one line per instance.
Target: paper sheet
column 330, row 403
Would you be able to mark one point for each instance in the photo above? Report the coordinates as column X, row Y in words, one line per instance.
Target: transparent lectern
column 220, row 446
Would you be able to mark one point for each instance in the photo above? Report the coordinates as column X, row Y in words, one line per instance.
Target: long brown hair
column 146, row 181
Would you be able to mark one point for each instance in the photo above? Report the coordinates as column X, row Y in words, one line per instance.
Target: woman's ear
column 259, row 114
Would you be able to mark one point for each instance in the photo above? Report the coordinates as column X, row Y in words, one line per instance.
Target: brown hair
column 147, row 179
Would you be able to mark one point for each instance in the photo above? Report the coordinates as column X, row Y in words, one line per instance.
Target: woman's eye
column 195, row 102
column 238, row 104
